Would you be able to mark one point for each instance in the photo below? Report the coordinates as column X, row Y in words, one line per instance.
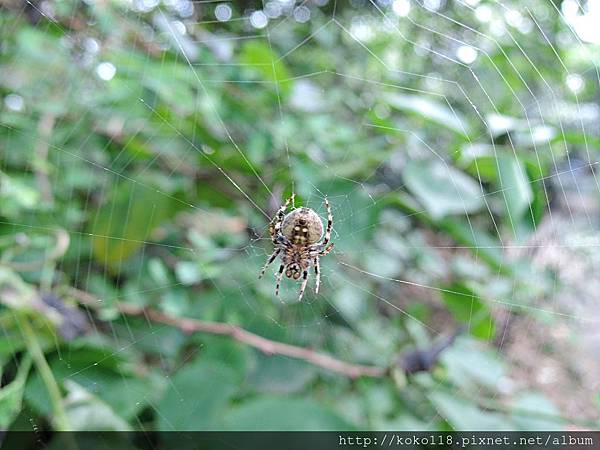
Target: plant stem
column 60, row 416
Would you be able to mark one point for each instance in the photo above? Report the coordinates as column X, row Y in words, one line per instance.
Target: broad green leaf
column 479, row 241
column 179, row 95
column 532, row 411
column 433, row 111
column 471, row 365
column 173, row 85
column 39, row 46
column 523, row 133
column 577, row 139
column 12, row 340
column 158, row 271
column 86, row 412
column 266, row 63
column 499, row 124
column 535, row 136
column 464, row 415
column 284, row 414
column 15, row 293
column 479, row 161
column 188, row 272
column 23, row 298
column 11, row 395
column 515, row 186
column 350, row 303
column 467, row 307
column 172, row 82
column 280, row 375
column 197, row 397
column 127, row 220
column 442, row 189
column 17, row 196
column 103, row 373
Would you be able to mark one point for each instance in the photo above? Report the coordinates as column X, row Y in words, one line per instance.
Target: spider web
column 352, row 280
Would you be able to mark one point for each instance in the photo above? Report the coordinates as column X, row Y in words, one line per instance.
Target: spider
column 295, row 237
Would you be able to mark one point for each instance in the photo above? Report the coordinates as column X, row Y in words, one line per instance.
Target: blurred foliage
column 157, row 136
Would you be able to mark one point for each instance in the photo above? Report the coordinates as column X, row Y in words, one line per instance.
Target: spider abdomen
column 294, row 270
column 302, row 226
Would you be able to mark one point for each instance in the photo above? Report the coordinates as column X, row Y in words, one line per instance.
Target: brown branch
column 265, row 345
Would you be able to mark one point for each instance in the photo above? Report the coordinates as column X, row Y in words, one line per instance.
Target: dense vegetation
column 145, row 146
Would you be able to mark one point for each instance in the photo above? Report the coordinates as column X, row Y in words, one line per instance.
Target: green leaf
column 174, row 91
column 436, row 112
column 577, row 139
column 479, row 160
column 532, row 411
column 17, row 196
column 442, row 189
column 11, row 395
column 471, row 366
column 467, row 307
column 479, row 241
column 499, row 124
column 41, row 47
column 515, row 186
column 265, row 62
column 197, row 397
column 86, row 412
column 462, row 414
column 102, row 372
column 350, row 303
column 280, row 375
column 188, row 272
column 214, row 347
column 128, row 219
column 284, row 414
column 15, row 293
column 12, row 340
column 535, row 136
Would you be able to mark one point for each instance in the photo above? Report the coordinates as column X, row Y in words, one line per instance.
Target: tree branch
column 265, row 345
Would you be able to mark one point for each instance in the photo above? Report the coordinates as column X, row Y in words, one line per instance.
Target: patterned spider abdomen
column 302, row 226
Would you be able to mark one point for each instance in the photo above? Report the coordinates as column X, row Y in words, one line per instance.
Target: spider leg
column 326, row 250
column 329, row 223
column 279, row 276
column 304, row 282
column 275, row 224
column 269, row 261
column 282, row 240
column 317, row 274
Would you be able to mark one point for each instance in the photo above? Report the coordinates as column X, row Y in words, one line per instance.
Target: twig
column 265, row 345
